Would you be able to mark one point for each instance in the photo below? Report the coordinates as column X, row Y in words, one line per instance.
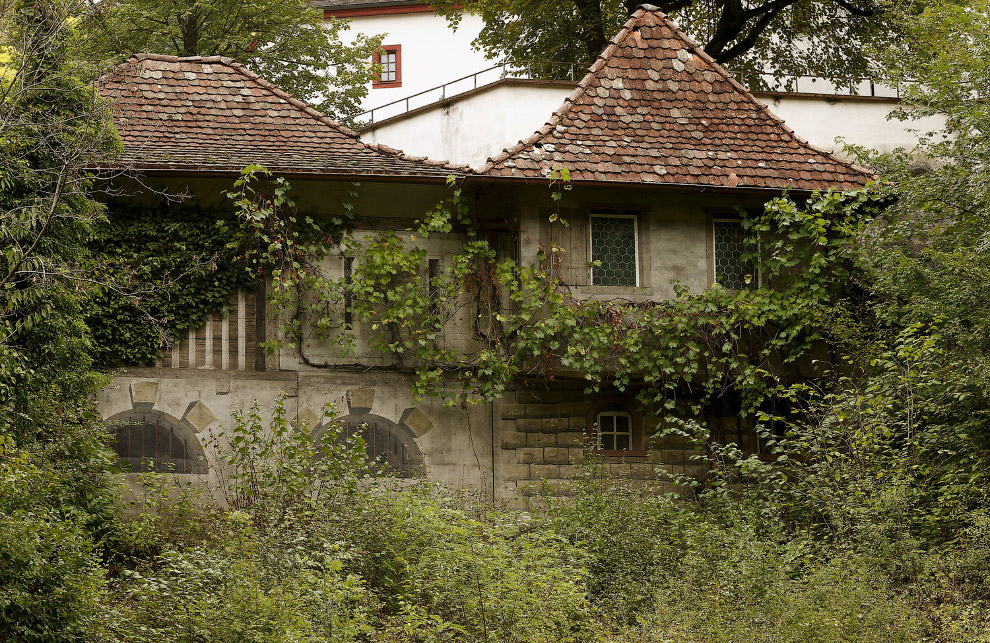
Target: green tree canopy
column 778, row 37
column 285, row 41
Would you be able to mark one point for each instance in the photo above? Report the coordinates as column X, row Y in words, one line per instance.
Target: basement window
column 614, row 246
column 614, row 431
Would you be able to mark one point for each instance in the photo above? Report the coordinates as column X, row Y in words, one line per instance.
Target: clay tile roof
column 655, row 108
column 212, row 114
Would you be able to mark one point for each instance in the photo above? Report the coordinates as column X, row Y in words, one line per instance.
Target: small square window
column 614, row 241
column 731, row 270
column 388, row 61
column 614, row 431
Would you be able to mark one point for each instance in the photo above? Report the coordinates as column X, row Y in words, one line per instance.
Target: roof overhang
column 677, row 187
column 193, row 171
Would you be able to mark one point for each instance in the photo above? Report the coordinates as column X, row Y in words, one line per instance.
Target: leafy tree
column 779, row 37
column 285, row 41
column 57, row 499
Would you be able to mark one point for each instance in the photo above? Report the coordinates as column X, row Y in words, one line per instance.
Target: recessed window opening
column 614, row 431
column 152, row 441
column 614, row 242
column 732, row 271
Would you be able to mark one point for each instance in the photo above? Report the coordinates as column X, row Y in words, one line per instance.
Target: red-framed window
column 388, row 61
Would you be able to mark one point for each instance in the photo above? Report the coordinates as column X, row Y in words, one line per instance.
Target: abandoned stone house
column 663, row 146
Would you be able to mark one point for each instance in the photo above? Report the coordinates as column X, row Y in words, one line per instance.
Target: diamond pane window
column 614, row 431
column 730, row 246
column 613, row 243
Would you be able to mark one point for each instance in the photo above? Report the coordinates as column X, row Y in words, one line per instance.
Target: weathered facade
column 663, row 147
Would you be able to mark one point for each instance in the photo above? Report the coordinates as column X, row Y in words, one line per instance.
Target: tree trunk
column 592, row 27
column 189, row 24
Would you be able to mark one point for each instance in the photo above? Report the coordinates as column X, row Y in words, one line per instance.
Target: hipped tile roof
column 655, row 108
column 212, row 114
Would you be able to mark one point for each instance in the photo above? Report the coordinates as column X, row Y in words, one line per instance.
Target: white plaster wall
column 432, row 52
column 471, row 128
column 862, row 122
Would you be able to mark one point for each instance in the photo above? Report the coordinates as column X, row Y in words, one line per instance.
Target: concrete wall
column 432, row 53
column 455, row 443
column 476, row 125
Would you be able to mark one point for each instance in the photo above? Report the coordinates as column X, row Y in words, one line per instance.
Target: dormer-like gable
column 655, row 109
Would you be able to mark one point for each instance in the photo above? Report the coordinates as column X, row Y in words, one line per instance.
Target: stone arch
column 391, row 444
column 148, row 434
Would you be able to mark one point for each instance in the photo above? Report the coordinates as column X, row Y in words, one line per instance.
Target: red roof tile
column 655, row 108
column 212, row 114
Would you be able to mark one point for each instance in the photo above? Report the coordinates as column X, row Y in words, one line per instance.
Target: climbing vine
column 173, row 268
column 483, row 321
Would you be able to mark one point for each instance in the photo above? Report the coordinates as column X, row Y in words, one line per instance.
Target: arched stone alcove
column 391, row 444
column 144, row 435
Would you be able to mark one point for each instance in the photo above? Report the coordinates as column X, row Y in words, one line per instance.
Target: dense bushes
column 380, row 559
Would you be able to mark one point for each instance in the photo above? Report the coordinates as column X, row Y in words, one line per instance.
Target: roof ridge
column 569, row 102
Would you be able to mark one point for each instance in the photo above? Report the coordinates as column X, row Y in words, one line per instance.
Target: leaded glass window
column 731, row 270
column 613, row 245
column 614, row 431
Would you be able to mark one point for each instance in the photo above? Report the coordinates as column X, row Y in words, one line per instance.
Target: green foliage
column 286, row 42
column 243, row 585
column 274, row 470
column 56, row 501
column 754, row 38
column 664, row 570
column 306, row 545
column 178, row 271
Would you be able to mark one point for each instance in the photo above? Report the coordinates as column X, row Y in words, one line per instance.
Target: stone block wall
column 541, row 438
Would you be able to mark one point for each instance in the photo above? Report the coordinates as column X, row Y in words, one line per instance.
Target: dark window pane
column 730, row 245
column 621, row 424
column 621, row 443
column 613, row 244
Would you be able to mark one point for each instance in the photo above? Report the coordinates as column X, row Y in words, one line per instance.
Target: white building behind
column 421, row 49
column 440, row 98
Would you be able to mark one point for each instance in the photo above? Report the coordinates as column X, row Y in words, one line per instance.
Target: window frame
column 605, row 214
column 376, row 59
column 615, row 407
column 757, row 276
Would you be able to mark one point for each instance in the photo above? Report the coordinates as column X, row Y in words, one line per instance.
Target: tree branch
column 56, row 199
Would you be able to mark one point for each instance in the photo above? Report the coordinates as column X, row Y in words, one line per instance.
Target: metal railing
column 824, row 85
column 541, row 69
column 530, row 69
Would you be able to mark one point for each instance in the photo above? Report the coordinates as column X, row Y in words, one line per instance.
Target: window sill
column 390, row 85
column 621, row 454
column 610, row 290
